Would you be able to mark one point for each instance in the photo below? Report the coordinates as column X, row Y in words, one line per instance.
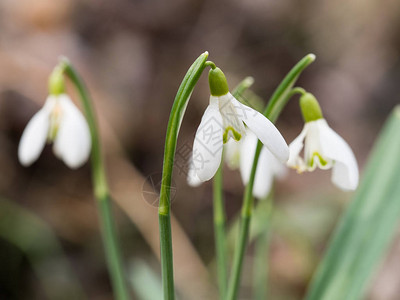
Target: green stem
column 101, row 191
column 261, row 252
column 210, row 64
column 240, row 249
column 261, row 267
column 174, row 123
column 296, row 90
column 275, row 105
column 219, row 231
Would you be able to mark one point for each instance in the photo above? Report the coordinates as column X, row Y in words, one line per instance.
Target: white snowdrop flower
column 223, row 120
column 58, row 121
column 323, row 147
column 268, row 167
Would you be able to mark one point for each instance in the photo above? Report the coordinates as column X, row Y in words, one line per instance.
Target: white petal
column 247, row 156
column 345, row 170
column 73, row 141
column 207, row 146
column 35, row 134
column 264, row 175
column 268, row 166
column 192, row 178
column 263, row 128
column 295, row 147
column 313, row 154
column 232, row 153
column 230, row 115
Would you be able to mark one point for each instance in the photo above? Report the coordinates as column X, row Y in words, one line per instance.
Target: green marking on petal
column 236, row 135
column 55, row 118
column 52, row 133
column 322, row 161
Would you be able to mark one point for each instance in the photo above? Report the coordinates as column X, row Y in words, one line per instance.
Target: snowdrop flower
column 323, row 147
column 58, row 121
column 268, row 167
column 223, row 120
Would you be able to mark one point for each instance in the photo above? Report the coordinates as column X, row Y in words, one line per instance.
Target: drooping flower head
column 58, row 121
column 224, row 120
column 241, row 155
column 323, row 147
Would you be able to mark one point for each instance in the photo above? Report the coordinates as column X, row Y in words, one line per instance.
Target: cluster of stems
column 228, row 290
column 275, row 105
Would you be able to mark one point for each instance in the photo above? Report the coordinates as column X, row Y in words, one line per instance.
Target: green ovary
column 236, row 135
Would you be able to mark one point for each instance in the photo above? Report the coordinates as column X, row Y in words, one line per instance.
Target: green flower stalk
column 174, row 123
column 101, row 191
column 261, row 249
column 219, row 232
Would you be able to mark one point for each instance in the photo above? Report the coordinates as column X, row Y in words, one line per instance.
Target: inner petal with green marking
column 322, row 163
column 55, row 118
column 231, row 132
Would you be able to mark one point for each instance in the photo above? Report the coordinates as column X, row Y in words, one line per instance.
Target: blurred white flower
column 325, row 149
column 61, row 122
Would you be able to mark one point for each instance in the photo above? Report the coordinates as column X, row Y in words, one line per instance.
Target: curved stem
column 219, row 231
column 297, row 90
column 101, row 191
column 210, row 64
column 174, row 123
column 261, row 251
column 275, row 106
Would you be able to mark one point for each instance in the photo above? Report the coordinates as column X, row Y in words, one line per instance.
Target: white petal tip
column 74, row 165
column 346, row 187
column 205, row 176
column 194, row 181
column 284, row 155
column 25, row 161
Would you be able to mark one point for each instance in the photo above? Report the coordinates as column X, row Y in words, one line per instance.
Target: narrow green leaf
column 174, row 124
column 175, row 120
column 368, row 225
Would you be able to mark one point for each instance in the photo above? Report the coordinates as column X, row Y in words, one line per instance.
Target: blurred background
column 133, row 56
